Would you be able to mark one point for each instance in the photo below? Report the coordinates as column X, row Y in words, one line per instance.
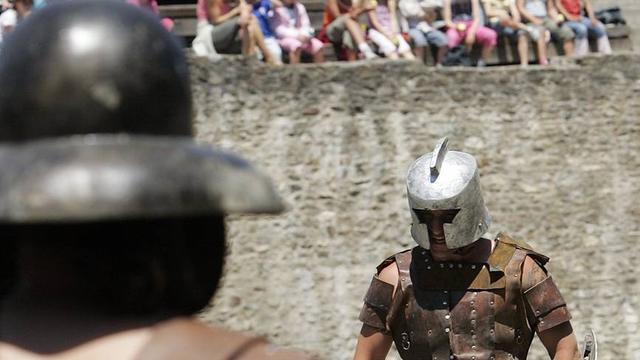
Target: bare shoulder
column 532, row 273
column 390, row 275
column 207, row 342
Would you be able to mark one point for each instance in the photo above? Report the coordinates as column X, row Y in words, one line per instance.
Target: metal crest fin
column 437, row 157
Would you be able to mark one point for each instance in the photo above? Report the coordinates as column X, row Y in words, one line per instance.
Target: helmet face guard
column 443, row 180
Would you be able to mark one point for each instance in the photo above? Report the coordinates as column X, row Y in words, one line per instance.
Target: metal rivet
column 492, row 331
column 473, row 337
column 537, row 311
column 401, row 279
column 515, row 275
column 473, row 347
column 447, row 316
column 473, row 266
column 444, row 303
column 472, row 331
column 473, row 311
column 472, row 302
column 473, row 358
column 446, row 330
column 441, row 265
column 459, row 266
column 429, row 332
column 424, row 252
column 451, row 357
column 491, row 302
column 450, row 266
column 473, row 322
column 428, row 267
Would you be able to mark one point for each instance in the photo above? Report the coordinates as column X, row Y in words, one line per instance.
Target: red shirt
column 573, row 7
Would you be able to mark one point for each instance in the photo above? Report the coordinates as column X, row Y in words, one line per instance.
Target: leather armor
column 470, row 311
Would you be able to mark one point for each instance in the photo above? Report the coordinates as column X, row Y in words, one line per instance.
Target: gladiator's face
column 435, row 220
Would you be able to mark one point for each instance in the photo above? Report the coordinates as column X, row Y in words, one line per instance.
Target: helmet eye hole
column 429, row 217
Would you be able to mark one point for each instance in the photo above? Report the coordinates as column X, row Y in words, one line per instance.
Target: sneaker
column 370, row 55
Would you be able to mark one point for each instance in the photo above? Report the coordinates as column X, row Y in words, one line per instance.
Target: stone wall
column 559, row 156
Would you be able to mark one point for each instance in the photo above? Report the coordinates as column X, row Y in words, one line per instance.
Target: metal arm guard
column 547, row 305
column 377, row 303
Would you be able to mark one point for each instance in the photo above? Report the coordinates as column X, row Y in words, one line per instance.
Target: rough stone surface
column 558, row 150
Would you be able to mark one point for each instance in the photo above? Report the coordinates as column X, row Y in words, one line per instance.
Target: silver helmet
column 445, row 180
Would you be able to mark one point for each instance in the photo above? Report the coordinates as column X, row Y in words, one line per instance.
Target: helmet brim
column 108, row 177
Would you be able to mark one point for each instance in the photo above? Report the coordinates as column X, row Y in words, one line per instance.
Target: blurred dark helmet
column 92, row 67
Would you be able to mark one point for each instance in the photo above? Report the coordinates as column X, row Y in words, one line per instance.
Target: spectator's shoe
column 481, row 63
column 369, row 55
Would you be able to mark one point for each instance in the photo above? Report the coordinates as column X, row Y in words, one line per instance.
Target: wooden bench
column 184, row 17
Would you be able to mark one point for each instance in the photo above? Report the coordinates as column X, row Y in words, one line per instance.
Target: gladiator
column 458, row 295
column 112, row 218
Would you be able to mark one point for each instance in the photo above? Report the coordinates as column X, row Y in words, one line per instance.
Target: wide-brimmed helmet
column 95, row 124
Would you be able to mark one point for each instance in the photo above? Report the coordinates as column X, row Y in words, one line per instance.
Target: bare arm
column 525, row 14
column 446, row 13
column 216, row 15
column 333, row 8
column 590, row 13
column 395, row 28
column 564, row 11
column 515, row 14
column 560, row 341
column 475, row 13
column 376, row 24
column 372, row 343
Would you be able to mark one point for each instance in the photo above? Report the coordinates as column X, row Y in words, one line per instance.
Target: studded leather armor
column 470, row 311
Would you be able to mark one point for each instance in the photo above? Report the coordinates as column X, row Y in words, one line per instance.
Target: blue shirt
column 263, row 11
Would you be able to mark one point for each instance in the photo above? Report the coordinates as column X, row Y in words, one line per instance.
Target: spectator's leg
column 581, row 42
column 487, row 38
column 404, row 50
column 292, row 47
column 562, row 33
column 598, row 32
column 541, row 45
column 315, row 48
column 385, row 45
column 355, row 38
column 257, row 39
column 523, row 47
column 274, row 49
column 419, row 40
column 454, row 37
column 440, row 41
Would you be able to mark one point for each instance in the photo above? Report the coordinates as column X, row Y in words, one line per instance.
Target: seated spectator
column 385, row 32
column 16, row 12
column 294, row 32
column 152, row 5
column 543, row 14
column 235, row 29
column 584, row 26
column 504, row 15
column 340, row 26
column 263, row 10
column 463, row 19
column 420, row 16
